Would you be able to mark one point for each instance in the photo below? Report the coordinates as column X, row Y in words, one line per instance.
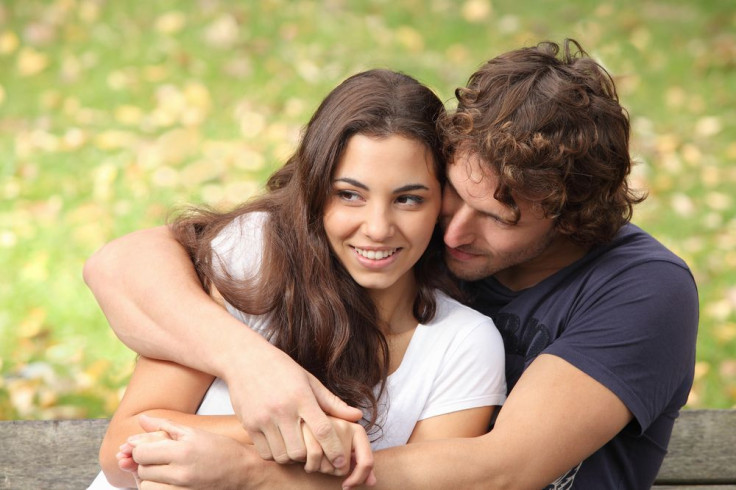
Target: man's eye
column 499, row 220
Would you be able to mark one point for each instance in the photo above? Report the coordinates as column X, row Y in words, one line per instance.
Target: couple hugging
column 409, row 279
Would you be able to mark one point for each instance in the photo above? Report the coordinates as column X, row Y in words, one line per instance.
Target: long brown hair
column 547, row 121
column 318, row 314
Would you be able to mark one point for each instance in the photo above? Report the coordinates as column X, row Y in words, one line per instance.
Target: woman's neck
column 395, row 306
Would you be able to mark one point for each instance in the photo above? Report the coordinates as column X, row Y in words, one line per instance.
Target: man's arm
column 555, row 417
column 146, row 285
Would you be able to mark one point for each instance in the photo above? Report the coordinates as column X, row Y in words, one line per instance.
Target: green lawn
column 114, row 112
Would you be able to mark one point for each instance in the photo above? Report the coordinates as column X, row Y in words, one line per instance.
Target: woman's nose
column 378, row 224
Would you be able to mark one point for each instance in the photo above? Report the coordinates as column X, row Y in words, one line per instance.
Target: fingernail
column 338, row 462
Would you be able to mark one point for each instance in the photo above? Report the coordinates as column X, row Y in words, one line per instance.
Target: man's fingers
column 153, row 485
column 315, row 456
column 150, row 424
column 154, row 472
column 270, row 445
column 155, row 453
column 278, row 446
column 332, row 404
column 296, row 448
column 155, row 424
column 261, row 445
column 328, row 439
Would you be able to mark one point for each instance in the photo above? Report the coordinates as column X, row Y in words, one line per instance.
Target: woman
column 339, row 265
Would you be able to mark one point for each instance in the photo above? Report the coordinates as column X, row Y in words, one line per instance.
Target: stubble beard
column 492, row 265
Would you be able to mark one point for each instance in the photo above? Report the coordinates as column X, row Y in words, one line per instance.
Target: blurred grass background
column 113, row 112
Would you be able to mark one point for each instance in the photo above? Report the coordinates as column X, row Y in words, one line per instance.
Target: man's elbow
column 94, row 269
column 103, row 270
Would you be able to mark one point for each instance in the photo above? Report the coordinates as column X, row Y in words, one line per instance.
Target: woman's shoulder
column 247, row 226
column 464, row 330
column 239, row 246
column 452, row 310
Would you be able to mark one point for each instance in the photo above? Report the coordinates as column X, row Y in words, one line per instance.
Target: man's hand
column 274, row 402
column 353, row 435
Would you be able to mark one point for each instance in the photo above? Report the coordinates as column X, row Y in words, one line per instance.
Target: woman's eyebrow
column 398, row 190
column 411, row 187
column 353, row 182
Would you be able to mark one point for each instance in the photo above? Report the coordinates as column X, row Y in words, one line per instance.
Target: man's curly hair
column 552, row 130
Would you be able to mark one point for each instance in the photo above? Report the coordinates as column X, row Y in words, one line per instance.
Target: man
column 599, row 320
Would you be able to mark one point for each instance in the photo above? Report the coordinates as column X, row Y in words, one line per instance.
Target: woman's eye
column 348, row 196
column 410, row 200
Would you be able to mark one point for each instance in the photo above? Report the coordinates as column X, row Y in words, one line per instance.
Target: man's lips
column 459, row 254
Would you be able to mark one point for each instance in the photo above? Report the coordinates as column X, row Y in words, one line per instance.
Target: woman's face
column 384, row 206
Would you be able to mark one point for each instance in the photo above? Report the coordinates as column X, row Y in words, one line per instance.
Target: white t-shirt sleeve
column 472, row 373
column 238, row 251
column 238, row 248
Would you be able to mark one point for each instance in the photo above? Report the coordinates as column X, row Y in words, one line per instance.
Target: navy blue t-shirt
column 627, row 315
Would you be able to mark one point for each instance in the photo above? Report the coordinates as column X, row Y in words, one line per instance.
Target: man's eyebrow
column 398, row 190
column 497, row 217
column 489, row 214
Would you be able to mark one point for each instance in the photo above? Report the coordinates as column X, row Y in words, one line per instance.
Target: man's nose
column 459, row 229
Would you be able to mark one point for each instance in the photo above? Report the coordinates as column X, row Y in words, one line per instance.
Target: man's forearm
column 451, row 463
column 146, row 285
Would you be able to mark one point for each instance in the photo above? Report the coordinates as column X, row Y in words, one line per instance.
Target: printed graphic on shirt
column 526, row 340
column 565, row 481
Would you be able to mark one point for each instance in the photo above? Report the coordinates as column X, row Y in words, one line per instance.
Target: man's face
column 480, row 236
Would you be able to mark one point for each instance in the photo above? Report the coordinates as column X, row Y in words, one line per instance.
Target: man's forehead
column 476, row 183
column 469, row 168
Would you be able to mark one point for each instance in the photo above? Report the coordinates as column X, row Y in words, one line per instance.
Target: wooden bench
column 62, row 454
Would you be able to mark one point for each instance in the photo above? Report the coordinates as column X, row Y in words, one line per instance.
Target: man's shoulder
column 633, row 242
column 632, row 249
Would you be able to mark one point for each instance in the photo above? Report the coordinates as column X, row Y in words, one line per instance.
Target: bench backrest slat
column 702, row 449
column 58, row 454
column 62, row 454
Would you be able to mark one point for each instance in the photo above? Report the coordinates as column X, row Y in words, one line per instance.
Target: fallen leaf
column 31, row 62
column 476, row 11
column 222, row 33
column 410, row 38
column 708, row 126
column 9, row 42
column 170, row 22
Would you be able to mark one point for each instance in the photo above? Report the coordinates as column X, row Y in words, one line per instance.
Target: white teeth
column 376, row 254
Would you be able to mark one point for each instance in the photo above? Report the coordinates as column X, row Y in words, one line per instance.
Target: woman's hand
column 185, row 457
column 353, row 436
column 125, row 455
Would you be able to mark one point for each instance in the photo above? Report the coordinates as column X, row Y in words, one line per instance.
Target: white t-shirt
column 455, row 362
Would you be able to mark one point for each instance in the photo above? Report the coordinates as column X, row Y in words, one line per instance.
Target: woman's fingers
column 363, row 454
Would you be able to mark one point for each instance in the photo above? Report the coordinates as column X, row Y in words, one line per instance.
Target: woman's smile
column 376, row 258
